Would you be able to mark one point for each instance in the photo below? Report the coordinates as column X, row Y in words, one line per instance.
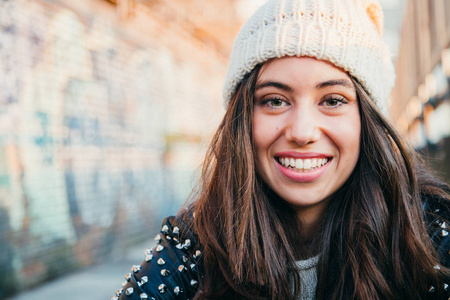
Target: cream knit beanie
column 347, row 33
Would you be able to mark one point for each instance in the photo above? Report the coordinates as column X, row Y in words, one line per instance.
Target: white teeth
column 302, row 165
column 299, row 164
column 307, row 164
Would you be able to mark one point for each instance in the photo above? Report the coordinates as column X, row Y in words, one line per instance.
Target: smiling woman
column 306, row 113
column 307, row 191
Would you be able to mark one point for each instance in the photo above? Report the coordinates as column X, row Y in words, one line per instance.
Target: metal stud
column 115, row 298
column 168, row 237
column 437, row 267
column 158, row 238
column 143, row 296
column 445, row 287
column 165, row 272
column 196, row 254
column 159, row 248
column 124, row 283
column 444, row 225
column 148, row 257
column 176, row 239
column 176, row 230
column 185, row 259
column 149, row 251
column 129, row 291
column 187, row 243
column 431, row 289
column 182, row 268
column 162, row 288
column 161, row 262
column 128, row 276
column 192, row 266
column 136, row 268
column 179, row 246
column 119, row 292
column 177, row 290
column 444, row 232
column 143, row 281
column 165, row 229
column 194, row 283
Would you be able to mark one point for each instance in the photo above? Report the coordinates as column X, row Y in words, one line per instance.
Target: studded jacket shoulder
column 437, row 218
column 171, row 270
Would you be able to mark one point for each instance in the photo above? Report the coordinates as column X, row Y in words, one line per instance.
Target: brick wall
column 420, row 104
column 103, row 122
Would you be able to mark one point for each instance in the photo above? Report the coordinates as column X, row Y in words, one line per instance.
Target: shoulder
column 171, row 269
column 437, row 218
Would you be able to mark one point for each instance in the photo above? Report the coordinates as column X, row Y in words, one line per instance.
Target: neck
column 305, row 243
column 310, row 219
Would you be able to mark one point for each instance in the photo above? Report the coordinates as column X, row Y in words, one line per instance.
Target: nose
column 303, row 126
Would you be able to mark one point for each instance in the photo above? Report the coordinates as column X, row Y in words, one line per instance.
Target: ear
column 375, row 13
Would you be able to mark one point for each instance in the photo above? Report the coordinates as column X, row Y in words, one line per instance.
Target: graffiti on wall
column 84, row 116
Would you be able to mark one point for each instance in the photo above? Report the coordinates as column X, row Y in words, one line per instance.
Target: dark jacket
column 171, row 270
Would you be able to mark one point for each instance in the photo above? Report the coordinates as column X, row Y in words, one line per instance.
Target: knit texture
column 308, row 277
column 347, row 33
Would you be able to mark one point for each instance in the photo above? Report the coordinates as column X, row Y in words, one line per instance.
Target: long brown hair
column 373, row 242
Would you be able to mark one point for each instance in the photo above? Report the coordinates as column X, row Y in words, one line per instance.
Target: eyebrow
column 275, row 84
column 282, row 86
column 342, row 82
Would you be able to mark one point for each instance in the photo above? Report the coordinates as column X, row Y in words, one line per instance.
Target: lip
column 303, row 155
column 302, row 176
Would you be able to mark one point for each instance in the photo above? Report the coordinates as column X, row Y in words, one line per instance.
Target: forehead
column 303, row 69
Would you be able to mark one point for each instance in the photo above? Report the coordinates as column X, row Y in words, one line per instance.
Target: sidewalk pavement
column 96, row 282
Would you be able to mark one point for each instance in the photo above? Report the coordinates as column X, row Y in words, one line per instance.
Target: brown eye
column 334, row 101
column 275, row 102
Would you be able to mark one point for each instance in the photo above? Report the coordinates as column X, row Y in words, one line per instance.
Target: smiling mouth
column 303, row 165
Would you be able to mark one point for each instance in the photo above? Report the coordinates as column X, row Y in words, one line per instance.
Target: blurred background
column 106, row 109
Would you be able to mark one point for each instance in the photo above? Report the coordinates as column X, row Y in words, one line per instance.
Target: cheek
column 265, row 132
column 259, row 129
column 349, row 140
column 345, row 133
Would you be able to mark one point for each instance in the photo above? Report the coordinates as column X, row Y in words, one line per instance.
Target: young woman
column 307, row 191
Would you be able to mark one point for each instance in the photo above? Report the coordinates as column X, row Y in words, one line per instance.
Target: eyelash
column 339, row 99
column 267, row 102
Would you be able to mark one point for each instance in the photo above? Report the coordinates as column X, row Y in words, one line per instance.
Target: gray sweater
column 308, row 277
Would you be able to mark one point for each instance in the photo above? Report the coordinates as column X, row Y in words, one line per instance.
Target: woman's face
column 306, row 131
